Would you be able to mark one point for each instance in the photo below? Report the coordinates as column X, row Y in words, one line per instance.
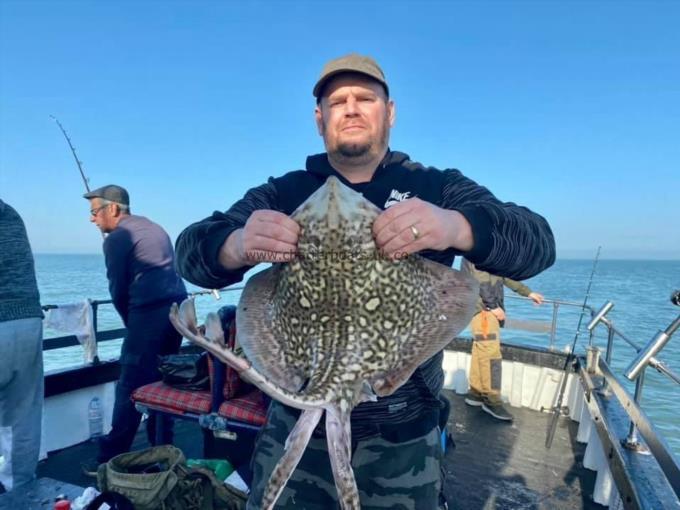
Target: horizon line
column 660, row 258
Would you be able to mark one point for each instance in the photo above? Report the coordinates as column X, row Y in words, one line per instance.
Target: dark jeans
column 149, row 334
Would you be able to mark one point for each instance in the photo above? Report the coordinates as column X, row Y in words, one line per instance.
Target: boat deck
column 495, row 465
column 65, row 465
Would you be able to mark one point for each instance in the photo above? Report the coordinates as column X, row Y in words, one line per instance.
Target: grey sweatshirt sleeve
column 19, row 296
column 198, row 246
column 510, row 240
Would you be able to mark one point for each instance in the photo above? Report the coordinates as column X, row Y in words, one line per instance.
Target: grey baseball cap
column 110, row 192
column 352, row 63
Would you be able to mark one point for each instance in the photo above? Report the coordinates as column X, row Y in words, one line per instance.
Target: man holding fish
column 437, row 214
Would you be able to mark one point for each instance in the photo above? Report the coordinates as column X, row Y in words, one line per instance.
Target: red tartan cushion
column 167, row 398
column 249, row 408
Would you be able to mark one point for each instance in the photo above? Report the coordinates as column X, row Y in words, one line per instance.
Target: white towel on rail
column 75, row 319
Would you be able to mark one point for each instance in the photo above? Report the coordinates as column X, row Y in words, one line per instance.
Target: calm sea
column 639, row 289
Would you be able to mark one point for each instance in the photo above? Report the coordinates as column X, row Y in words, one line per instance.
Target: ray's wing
column 453, row 303
column 262, row 343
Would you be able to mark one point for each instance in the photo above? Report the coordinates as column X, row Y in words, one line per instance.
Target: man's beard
column 359, row 153
column 354, row 150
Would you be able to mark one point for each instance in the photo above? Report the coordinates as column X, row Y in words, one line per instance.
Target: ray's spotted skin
column 337, row 326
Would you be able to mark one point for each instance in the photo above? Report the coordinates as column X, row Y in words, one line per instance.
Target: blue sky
column 570, row 108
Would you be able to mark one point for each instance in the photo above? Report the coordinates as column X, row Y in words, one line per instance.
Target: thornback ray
column 338, row 325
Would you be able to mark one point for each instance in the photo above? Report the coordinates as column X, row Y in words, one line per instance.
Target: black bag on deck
column 158, row 479
column 185, row 371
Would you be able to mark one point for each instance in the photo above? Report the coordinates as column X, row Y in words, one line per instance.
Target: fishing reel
column 675, row 298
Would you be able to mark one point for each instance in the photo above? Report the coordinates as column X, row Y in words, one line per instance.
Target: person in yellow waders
column 485, row 365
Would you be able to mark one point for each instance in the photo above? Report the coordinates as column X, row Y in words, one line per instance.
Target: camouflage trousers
column 395, row 476
column 485, row 365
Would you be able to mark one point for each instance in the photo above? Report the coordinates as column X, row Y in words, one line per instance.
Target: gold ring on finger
column 415, row 232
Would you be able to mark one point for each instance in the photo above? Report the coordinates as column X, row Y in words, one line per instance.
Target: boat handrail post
column 611, row 333
column 553, row 325
column 610, row 342
column 632, row 442
column 95, row 308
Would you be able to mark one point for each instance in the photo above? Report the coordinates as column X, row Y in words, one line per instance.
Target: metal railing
column 557, row 304
column 59, row 342
column 646, row 355
column 636, row 371
column 638, row 420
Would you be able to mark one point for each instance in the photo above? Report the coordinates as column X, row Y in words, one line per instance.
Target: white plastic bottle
column 95, row 418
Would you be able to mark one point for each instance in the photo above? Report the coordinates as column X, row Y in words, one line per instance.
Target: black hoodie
column 509, row 240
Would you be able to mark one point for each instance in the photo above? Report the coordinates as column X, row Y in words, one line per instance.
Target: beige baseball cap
column 352, row 63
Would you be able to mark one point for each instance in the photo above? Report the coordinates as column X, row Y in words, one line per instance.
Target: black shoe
column 472, row 399
column 90, row 468
column 498, row 411
column 443, row 505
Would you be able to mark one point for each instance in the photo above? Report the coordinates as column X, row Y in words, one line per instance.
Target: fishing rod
column 568, row 361
column 75, row 156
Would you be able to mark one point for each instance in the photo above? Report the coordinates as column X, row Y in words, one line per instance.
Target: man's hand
column 536, row 297
column 268, row 236
column 499, row 313
column 414, row 225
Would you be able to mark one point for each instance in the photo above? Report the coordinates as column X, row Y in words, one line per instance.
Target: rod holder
column 646, row 354
column 600, row 315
